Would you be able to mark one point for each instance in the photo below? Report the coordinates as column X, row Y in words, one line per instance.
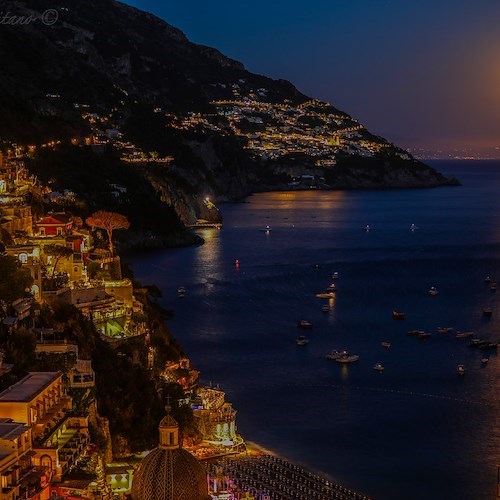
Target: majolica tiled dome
column 169, row 472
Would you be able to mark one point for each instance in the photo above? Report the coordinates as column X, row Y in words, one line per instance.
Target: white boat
column 413, row 227
column 433, row 292
column 442, row 329
column 378, row 367
column 347, row 358
column 181, row 291
column 387, row 345
column 487, row 279
column 461, row 369
column 484, row 361
column 367, row 228
column 326, row 295
column 335, row 276
column 302, row 341
column 267, row 229
column 464, row 335
column 304, row 324
column 332, row 288
column 334, row 355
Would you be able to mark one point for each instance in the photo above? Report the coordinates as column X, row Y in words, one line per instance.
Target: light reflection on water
column 417, row 428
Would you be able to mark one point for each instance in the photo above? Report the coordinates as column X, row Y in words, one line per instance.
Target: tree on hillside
column 109, row 221
column 57, row 252
column 14, row 280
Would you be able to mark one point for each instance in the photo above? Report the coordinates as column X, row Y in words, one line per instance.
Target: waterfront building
column 39, row 401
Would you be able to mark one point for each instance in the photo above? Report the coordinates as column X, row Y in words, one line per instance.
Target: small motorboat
column 485, row 346
column 487, row 279
column 493, row 287
column 266, row 229
column 181, row 291
column 378, row 367
column 335, row 276
column 487, row 312
column 476, row 342
column 304, row 324
column 442, row 329
column 367, row 228
column 237, row 264
column 398, row 315
column 414, row 333
column 301, row 341
column 387, row 345
column 347, row 358
column 424, row 335
column 484, row 361
column 326, row 295
column 325, row 309
column 464, row 335
column 332, row 288
column 461, row 369
column 334, row 355
column 413, row 227
column 433, row 292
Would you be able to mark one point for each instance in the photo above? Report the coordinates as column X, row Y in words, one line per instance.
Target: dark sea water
column 417, row 431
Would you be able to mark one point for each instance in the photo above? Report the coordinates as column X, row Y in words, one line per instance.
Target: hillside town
column 53, row 261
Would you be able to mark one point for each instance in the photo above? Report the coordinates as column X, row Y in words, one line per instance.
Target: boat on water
column 267, row 229
column 181, row 291
column 347, row 358
column 367, row 228
column 485, row 346
column 302, row 341
column 487, row 312
column 493, row 287
column 433, row 292
column 423, row 335
column 484, row 361
column 335, row 276
column 325, row 309
column 413, row 227
column 487, row 279
column 387, row 345
column 304, row 324
column 378, row 367
column 325, row 295
column 398, row 315
column 464, row 335
column 334, row 355
column 414, row 333
column 332, row 288
column 442, row 329
column 461, row 369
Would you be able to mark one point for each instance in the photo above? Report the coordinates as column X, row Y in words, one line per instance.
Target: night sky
column 423, row 73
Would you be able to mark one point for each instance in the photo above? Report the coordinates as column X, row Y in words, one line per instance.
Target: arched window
column 46, row 461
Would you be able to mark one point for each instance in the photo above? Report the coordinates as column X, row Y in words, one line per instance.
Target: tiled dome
column 170, row 475
column 169, row 472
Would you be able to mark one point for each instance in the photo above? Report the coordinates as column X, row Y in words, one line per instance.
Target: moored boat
column 334, row 355
column 347, row 358
column 442, row 329
column 329, row 295
column 367, row 228
column 484, row 361
column 398, row 315
column 335, row 276
column 487, row 279
column 387, row 345
column 424, row 335
column 461, row 369
column 433, row 292
column 304, row 324
column 414, row 333
column 493, row 287
column 464, row 335
column 413, row 227
column 378, row 367
column 487, row 312
column 332, row 288
column 325, row 309
column 302, row 341
column 181, row 291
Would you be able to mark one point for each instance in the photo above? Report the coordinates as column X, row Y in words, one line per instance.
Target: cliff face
column 112, row 77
